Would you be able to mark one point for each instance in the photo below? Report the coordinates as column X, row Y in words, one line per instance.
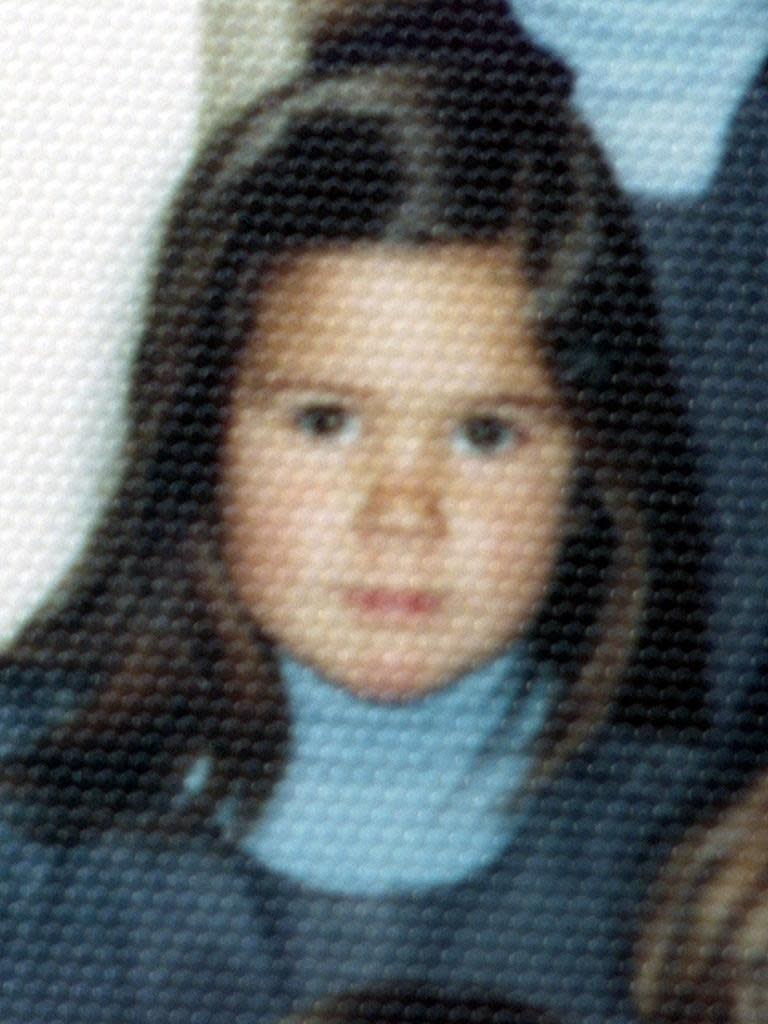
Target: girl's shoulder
column 127, row 924
column 627, row 790
column 27, row 866
column 567, row 897
column 624, row 757
column 37, row 836
column 36, row 698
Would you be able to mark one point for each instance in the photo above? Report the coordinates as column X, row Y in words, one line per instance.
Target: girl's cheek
column 288, row 508
column 522, row 515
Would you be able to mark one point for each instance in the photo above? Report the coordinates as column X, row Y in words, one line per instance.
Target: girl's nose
column 407, row 506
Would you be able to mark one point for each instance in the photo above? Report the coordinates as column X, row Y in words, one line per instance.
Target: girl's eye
column 486, row 435
column 326, row 420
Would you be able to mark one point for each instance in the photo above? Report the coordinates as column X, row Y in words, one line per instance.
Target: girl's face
column 396, row 465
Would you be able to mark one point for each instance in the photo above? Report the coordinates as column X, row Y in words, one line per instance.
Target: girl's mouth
column 392, row 601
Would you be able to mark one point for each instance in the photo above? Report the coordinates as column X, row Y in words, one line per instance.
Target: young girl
column 384, row 665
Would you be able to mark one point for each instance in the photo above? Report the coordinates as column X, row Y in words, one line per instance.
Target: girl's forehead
column 362, row 316
column 378, row 271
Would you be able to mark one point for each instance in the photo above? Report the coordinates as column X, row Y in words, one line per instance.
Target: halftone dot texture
column 441, row 373
column 97, row 125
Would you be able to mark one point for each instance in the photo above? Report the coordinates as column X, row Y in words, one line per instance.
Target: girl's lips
column 389, row 601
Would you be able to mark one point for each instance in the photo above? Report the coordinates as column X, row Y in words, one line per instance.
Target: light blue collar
column 384, row 797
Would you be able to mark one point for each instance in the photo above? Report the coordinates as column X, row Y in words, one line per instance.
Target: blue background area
column 659, row 79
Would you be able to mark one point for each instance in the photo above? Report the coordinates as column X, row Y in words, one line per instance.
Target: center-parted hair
column 421, row 123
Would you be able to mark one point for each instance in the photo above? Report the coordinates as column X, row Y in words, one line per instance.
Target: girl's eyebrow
column 277, row 384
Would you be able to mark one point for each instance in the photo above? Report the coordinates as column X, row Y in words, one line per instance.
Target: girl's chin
column 386, row 693
column 395, row 684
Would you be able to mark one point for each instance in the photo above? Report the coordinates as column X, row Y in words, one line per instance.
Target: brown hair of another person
column 703, row 955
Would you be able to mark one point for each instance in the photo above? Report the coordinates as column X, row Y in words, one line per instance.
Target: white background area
column 98, row 117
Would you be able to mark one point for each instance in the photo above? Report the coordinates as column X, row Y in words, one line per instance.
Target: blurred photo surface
column 384, row 440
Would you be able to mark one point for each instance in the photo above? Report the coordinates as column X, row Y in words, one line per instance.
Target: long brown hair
column 419, row 123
